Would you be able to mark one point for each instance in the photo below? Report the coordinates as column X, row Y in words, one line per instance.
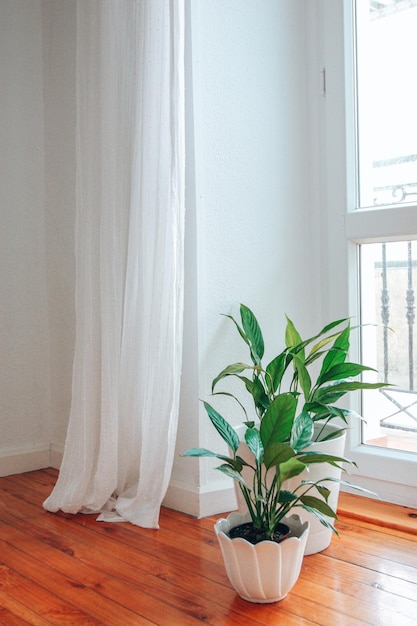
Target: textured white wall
column 37, row 177
column 24, row 374
column 59, row 43
column 249, row 202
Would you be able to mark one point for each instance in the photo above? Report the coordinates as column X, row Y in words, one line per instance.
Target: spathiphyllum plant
column 280, row 423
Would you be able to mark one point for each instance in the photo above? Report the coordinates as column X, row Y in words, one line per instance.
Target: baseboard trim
column 200, row 501
column 20, row 461
column 23, row 460
column 56, row 454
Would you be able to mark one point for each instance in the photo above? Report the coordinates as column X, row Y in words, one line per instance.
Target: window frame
column 392, row 474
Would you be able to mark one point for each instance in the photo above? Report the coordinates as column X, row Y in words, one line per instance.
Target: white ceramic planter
column 267, row 571
column 319, row 537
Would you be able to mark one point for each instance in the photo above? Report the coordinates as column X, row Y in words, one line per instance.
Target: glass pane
column 389, row 343
column 386, row 101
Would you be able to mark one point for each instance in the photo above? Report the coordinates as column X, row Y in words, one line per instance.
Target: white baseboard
column 200, row 501
column 23, row 460
column 394, row 493
column 56, row 454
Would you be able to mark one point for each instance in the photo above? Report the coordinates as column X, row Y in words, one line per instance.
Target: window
column 386, row 102
column 379, row 192
column 386, row 52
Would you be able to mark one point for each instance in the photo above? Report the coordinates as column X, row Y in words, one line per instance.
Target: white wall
column 36, row 265
column 24, row 376
column 59, row 43
column 249, row 206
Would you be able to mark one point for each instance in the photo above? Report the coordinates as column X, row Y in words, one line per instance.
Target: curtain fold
column 129, row 260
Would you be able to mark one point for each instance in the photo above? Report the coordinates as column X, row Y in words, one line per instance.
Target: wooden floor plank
column 26, row 598
column 87, row 572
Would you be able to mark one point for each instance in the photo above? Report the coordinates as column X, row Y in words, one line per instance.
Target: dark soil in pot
column 255, row 535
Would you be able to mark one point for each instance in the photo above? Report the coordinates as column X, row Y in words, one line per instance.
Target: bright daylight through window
column 386, row 54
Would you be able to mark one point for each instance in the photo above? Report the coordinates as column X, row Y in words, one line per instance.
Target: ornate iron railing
column 409, row 265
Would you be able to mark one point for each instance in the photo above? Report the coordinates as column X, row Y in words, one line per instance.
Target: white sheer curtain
column 129, row 260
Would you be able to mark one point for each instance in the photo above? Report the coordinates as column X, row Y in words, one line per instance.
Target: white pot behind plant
column 319, row 537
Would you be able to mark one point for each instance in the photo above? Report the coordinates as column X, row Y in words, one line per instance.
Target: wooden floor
column 57, row 569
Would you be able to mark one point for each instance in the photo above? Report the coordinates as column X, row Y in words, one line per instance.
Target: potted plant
column 263, row 550
column 317, row 374
column 269, row 458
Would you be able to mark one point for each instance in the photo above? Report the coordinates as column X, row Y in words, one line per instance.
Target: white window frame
column 390, row 473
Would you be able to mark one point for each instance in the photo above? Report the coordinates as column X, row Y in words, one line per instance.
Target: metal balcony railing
column 404, row 398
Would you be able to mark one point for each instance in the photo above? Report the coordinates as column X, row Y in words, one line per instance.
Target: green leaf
column 331, row 393
column 229, row 471
column 259, row 395
column 309, row 458
column 303, row 375
column 316, row 351
column 231, row 370
column 199, row 452
column 341, row 371
column 277, row 453
column 239, row 329
column 275, row 371
column 323, row 491
column 230, row 395
column 254, row 443
column 322, row 518
column 293, row 338
column 332, row 435
column 286, row 496
column 326, row 340
column 289, row 469
column 276, row 424
column 236, row 463
column 302, row 431
column 227, row 433
column 318, row 505
column 337, row 353
column 253, row 334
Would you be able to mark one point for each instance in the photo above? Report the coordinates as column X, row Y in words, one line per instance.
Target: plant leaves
column 318, row 505
column 286, row 496
column 303, row 375
column 199, row 452
column 338, row 352
column 253, row 334
column 326, row 340
column 323, row 491
column 225, row 430
column 289, row 469
column 331, row 393
column 231, row 370
column 254, row 443
column 239, row 329
column 230, row 395
column 293, row 338
column 308, row 458
column 259, row 395
column 236, row 463
column 341, row 371
column 277, row 422
column 277, row 453
column 302, row 431
column 229, row 471
column 275, row 371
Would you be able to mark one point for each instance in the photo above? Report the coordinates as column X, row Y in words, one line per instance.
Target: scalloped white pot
column 267, row 571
